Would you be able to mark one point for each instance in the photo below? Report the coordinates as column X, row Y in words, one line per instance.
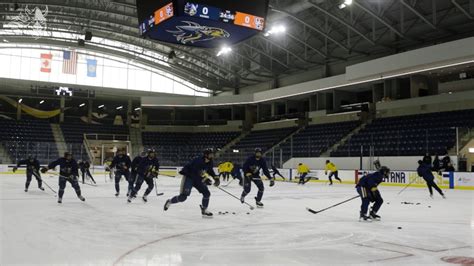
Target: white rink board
column 105, row 230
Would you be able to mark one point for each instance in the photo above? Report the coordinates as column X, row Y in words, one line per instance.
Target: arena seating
column 178, row 148
column 316, row 139
column 28, row 137
column 409, row 135
column 74, row 135
column 263, row 139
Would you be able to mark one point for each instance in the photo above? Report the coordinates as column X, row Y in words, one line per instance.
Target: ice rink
column 105, row 230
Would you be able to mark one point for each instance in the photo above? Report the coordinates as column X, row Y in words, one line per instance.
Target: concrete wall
column 428, row 104
column 351, row 163
column 276, row 124
column 456, row 86
column 231, row 126
column 321, row 117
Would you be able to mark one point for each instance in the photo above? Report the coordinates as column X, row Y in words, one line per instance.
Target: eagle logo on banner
column 34, row 19
column 193, row 32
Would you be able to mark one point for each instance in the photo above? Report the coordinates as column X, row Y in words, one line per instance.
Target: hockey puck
column 399, row 227
column 233, row 213
column 220, row 212
column 429, row 206
column 248, row 212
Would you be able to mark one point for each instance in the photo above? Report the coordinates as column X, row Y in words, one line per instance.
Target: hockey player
column 221, row 169
column 121, row 163
column 32, row 168
column 333, row 171
column 275, row 172
column 252, row 167
column 134, row 166
column 236, row 174
column 303, row 171
column 427, row 158
column 84, row 166
column 198, row 173
column 147, row 170
column 368, row 191
column 68, row 172
column 228, row 167
column 424, row 170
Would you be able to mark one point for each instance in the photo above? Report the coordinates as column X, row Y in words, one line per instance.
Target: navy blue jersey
column 424, row 170
column 236, row 170
column 84, row 165
column 148, row 167
column 371, row 180
column 136, row 161
column 197, row 167
column 253, row 166
column 66, row 168
column 30, row 165
column 121, row 162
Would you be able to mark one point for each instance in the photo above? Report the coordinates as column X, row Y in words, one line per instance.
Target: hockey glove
column 14, row 169
column 217, row 181
column 44, row 170
column 272, row 182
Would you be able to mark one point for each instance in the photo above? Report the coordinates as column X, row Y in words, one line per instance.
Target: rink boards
column 452, row 180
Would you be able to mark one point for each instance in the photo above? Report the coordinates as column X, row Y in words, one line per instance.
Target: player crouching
column 68, row 172
column 368, row 191
column 147, row 170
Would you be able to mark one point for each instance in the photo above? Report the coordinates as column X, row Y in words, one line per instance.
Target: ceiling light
column 137, row 109
column 42, row 101
column 224, row 50
column 20, row 100
column 120, row 107
column 345, row 4
column 277, row 29
column 5, row 40
column 101, row 106
column 82, row 104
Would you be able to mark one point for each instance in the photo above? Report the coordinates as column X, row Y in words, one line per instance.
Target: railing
column 120, row 137
column 44, row 151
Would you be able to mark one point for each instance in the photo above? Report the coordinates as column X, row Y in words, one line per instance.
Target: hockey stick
column 332, row 206
column 156, row 189
column 232, row 195
column 50, row 188
column 228, row 183
column 406, row 186
column 68, row 178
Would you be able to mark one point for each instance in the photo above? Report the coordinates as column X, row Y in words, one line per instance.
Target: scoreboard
column 201, row 23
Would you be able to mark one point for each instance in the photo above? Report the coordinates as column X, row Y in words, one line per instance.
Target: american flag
column 70, row 62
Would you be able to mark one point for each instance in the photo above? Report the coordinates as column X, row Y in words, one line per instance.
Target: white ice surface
column 105, row 230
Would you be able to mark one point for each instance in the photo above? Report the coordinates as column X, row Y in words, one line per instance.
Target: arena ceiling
column 318, row 34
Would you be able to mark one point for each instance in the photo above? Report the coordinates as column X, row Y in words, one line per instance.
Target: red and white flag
column 70, row 62
column 46, row 60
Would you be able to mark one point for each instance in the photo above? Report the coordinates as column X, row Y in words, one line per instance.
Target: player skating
column 332, row 168
column 148, row 169
column 302, row 171
column 424, row 170
column 367, row 187
column 121, row 163
column 85, row 166
column 32, row 169
column 198, row 174
column 134, row 166
column 236, row 174
column 275, row 172
column 252, row 167
column 68, row 172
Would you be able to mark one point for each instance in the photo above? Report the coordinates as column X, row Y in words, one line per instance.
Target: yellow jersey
column 331, row 167
column 303, row 169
